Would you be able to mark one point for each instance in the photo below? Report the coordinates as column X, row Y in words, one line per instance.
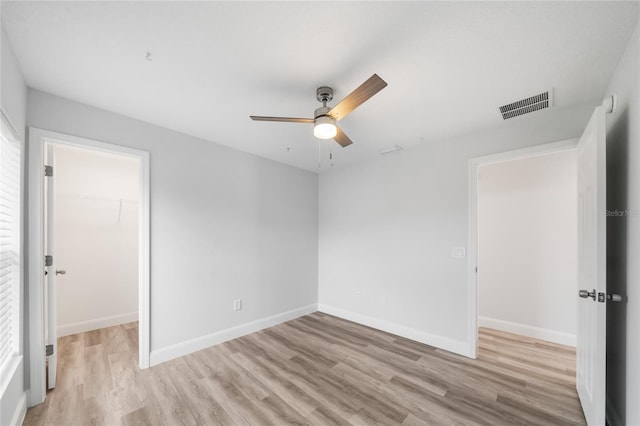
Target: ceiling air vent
column 525, row 106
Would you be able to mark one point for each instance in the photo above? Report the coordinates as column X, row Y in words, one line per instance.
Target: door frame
column 38, row 139
column 473, row 167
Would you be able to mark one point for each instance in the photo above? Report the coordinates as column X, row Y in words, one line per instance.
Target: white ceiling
column 449, row 65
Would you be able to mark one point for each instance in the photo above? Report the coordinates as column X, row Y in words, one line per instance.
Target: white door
column 51, row 336
column 592, row 314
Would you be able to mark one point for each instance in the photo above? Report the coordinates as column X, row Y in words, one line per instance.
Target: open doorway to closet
column 92, row 225
column 96, row 206
column 89, row 245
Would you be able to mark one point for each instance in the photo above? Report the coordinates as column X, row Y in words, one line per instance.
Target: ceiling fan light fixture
column 324, row 118
column 325, row 127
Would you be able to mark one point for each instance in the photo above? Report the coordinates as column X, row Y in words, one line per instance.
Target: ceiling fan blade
column 359, row 96
column 285, row 119
column 342, row 139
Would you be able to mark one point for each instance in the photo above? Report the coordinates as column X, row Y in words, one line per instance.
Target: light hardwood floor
column 317, row 369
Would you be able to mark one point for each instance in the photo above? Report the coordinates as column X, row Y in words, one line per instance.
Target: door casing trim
column 37, row 139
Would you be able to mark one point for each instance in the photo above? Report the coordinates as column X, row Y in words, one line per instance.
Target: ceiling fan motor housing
column 322, row 111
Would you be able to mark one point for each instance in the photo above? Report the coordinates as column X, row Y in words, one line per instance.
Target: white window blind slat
column 10, row 175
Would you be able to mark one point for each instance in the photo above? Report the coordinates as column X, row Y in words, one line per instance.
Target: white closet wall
column 96, row 220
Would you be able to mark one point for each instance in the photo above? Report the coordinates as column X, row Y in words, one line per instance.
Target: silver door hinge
column 49, row 350
column 48, row 171
column 48, row 260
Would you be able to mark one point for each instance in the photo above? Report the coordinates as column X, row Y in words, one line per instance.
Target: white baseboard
column 183, row 348
column 455, row 346
column 529, row 331
column 21, row 411
column 82, row 326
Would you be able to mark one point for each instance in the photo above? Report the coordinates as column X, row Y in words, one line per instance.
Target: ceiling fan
column 325, row 118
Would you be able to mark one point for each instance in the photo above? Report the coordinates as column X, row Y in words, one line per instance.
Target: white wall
column 14, row 89
column 13, row 97
column 527, row 246
column 387, row 229
column 623, row 240
column 96, row 225
column 225, row 225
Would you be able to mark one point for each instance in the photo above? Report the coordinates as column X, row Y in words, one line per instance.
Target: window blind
column 10, row 174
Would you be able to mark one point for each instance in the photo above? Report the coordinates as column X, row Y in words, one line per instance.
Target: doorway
column 95, row 204
column 510, row 316
column 527, row 246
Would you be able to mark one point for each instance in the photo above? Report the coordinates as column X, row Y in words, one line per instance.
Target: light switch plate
column 458, row 252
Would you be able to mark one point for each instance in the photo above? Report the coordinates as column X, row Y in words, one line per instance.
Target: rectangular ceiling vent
column 525, row 106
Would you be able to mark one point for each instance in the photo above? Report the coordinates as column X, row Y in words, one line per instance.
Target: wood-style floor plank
column 314, row 370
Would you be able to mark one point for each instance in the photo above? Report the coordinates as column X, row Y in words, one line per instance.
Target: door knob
column 586, row 294
column 60, row 272
column 612, row 297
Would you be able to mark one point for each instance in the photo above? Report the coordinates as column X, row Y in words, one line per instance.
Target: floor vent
column 525, row 106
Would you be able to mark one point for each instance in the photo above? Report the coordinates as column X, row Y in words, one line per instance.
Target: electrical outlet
column 384, row 301
column 237, row 305
column 358, row 296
